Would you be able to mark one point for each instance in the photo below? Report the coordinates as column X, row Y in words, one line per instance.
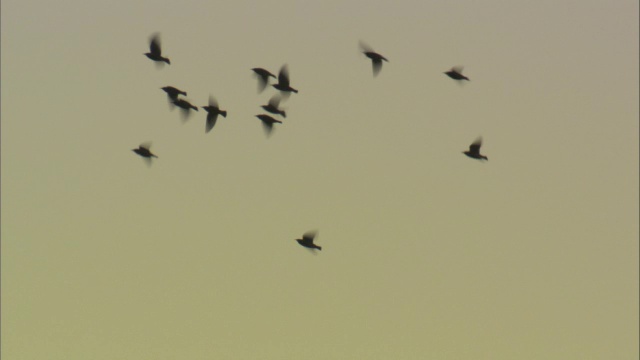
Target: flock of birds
column 284, row 86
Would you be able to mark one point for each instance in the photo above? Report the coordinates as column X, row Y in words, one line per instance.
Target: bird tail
column 223, row 113
column 167, row 61
column 295, row 91
column 284, row 114
column 319, row 247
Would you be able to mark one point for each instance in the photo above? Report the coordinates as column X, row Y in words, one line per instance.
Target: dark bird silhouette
column 474, row 150
column 213, row 110
column 376, row 59
column 173, row 93
column 263, row 77
column 456, row 73
column 283, row 81
column 184, row 104
column 307, row 240
column 272, row 106
column 155, row 51
column 267, row 122
column 143, row 150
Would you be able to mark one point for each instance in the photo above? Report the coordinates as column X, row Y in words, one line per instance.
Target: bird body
column 474, row 150
column 263, row 77
column 267, row 122
column 273, row 105
column 456, row 73
column 376, row 59
column 213, row 110
column 155, row 50
column 307, row 240
column 283, row 81
column 143, row 150
column 184, row 104
column 173, row 93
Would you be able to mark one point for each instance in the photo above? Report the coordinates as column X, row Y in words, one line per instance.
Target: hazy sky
column 427, row 254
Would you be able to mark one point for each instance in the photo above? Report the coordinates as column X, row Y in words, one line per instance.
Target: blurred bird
column 184, row 104
column 376, row 59
column 267, row 122
column 173, row 93
column 456, row 73
column 272, row 106
column 307, row 240
column 143, row 150
column 474, row 150
column 155, row 51
column 263, row 77
column 212, row 113
column 283, row 81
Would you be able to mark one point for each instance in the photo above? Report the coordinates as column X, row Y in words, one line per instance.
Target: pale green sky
column 427, row 254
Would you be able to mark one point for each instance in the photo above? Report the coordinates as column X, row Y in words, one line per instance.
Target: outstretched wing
column 283, row 76
column 475, row 146
column 377, row 66
column 154, row 45
column 309, row 236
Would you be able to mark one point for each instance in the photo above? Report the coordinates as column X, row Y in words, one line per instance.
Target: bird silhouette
column 173, row 93
column 272, row 106
column 283, row 81
column 213, row 110
column 155, row 51
column 184, row 104
column 143, row 150
column 474, row 150
column 456, row 73
column 307, row 240
column 376, row 59
column 263, row 77
column 267, row 122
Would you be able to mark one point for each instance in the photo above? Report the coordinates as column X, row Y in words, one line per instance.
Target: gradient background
column 427, row 254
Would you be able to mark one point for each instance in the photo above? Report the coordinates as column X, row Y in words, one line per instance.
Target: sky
column 426, row 253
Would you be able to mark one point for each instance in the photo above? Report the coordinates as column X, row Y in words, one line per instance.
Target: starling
column 474, row 150
column 456, row 73
column 307, row 240
column 283, row 81
column 272, row 106
column 267, row 122
column 184, row 104
column 143, row 150
column 376, row 59
column 155, row 52
column 173, row 93
column 212, row 113
column 263, row 77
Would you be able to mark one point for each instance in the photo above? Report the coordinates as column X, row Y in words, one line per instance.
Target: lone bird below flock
column 267, row 122
column 307, row 240
column 474, row 150
column 213, row 110
column 143, row 150
column 272, row 106
column 155, row 51
column 376, row 59
column 263, row 77
column 456, row 73
column 283, row 81
column 173, row 93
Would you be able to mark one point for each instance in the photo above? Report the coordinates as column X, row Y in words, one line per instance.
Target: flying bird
column 376, row 59
column 267, row 122
column 272, row 106
column 173, row 93
column 155, row 51
column 307, row 240
column 213, row 110
column 263, row 77
column 456, row 73
column 143, row 150
column 184, row 104
column 283, row 81
column 474, row 150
